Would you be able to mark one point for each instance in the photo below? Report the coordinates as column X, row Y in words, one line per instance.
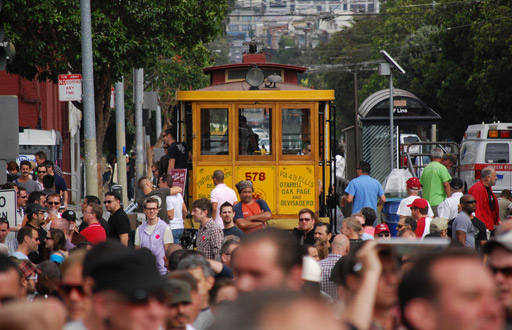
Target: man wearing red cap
column 419, row 211
column 413, row 190
column 382, row 232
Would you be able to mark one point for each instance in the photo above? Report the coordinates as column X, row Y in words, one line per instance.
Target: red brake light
column 504, row 134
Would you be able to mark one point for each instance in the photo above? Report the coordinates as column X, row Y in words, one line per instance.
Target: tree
column 126, row 34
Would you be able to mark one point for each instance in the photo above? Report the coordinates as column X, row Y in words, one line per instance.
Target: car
column 262, row 134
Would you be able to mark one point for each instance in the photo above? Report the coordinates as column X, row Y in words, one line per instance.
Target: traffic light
column 7, row 49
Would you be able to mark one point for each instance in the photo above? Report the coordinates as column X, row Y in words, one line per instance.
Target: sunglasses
column 108, row 202
column 304, row 219
column 66, row 289
column 506, row 271
column 24, row 197
column 53, row 203
column 384, row 235
column 470, row 202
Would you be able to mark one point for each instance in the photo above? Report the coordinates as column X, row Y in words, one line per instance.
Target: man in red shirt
column 487, row 208
column 419, row 211
column 94, row 232
column 251, row 214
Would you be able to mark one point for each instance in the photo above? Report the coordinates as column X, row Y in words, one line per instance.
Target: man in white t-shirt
column 449, row 208
column 219, row 195
column 176, row 208
column 413, row 189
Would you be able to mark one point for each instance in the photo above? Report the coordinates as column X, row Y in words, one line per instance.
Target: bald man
column 340, row 247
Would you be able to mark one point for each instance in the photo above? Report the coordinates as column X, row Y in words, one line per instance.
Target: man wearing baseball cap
column 75, row 236
column 449, row 208
column 419, row 211
column 413, row 190
column 499, row 262
column 35, row 216
column 125, row 287
column 382, row 232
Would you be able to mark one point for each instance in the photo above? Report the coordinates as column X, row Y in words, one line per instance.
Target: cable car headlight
column 254, row 77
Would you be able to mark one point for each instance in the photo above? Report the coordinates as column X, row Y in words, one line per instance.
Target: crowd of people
column 449, row 266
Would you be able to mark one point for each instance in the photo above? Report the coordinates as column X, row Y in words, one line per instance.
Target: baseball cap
column 179, row 291
column 439, row 224
column 420, row 203
column 35, row 207
column 69, row 215
column 504, row 241
column 413, row 184
column 381, row 228
column 456, row 183
column 133, row 273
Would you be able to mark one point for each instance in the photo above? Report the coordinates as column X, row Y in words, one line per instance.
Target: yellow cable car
column 255, row 122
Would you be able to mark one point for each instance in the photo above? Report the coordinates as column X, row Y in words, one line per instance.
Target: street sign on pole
column 70, row 87
column 8, row 206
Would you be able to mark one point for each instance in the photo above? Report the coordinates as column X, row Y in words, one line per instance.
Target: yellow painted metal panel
column 263, row 179
column 204, row 182
column 296, row 188
column 299, row 95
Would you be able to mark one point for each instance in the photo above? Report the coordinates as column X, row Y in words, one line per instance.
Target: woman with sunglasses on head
column 56, row 243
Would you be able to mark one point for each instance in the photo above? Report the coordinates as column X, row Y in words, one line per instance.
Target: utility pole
column 138, row 81
column 91, row 158
column 121, row 140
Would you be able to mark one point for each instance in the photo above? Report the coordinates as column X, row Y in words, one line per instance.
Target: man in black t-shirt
column 177, row 156
column 118, row 223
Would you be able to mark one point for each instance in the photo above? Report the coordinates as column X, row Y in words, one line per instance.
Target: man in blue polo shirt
column 363, row 190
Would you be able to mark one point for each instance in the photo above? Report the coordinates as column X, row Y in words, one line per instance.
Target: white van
column 487, row 145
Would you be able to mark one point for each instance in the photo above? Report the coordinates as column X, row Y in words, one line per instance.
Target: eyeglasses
column 24, row 197
column 304, row 219
column 470, row 202
column 400, row 226
column 384, row 235
column 66, row 289
column 506, row 271
column 53, row 203
column 42, row 172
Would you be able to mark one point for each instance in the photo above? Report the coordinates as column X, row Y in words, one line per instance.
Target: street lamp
column 386, row 69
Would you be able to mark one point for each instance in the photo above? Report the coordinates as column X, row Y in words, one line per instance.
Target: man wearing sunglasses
column 463, row 230
column 125, row 288
column 500, row 264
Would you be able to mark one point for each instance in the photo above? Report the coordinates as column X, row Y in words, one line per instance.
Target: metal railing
column 420, row 162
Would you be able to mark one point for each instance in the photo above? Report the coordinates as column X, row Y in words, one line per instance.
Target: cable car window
column 296, row 132
column 214, row 132
column 496, row 153
column 254, row 131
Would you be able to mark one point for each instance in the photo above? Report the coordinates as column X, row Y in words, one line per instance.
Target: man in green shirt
column 435, row 180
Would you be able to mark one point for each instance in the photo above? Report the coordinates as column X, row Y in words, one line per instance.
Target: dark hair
column 170, row 131
column 139, row 182
column 288, row 252
column 218, row 175
column 23, row 232
column 13, row 166
column 113, row 194
column 41, row 165
column 6, row 264
column 8, row 185
column 48, row 164
column 369, row 215
column 406, row 230
column 25, row 162
column 505, row 193
column 92, row 199
column 203, row 204
column 418, row 282
column 174, row 259
column 59, row 239
column 151, row 200
column 226, row 204
column 219, row 284
column 167, row 179
column 423, row 211
column 42, row 155
column 311, row 212
column 35, row 196
column 364, row 166
column 411, row 222
column 327, row 226
column 48, row 181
